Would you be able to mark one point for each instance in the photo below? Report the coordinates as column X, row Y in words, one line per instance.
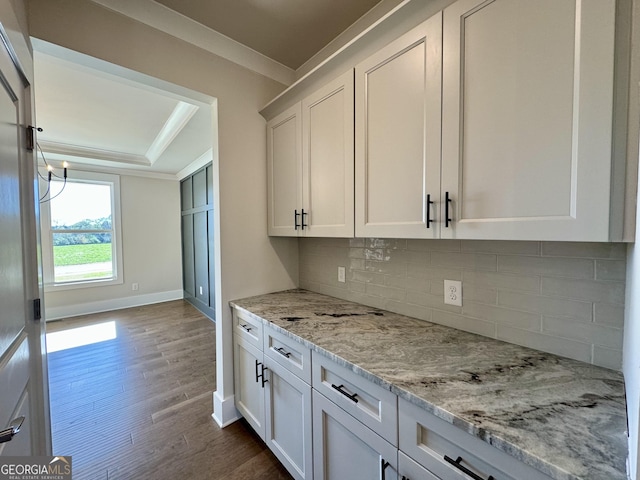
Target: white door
column 398, row 119
column 327, row 159
column 527, row 119
column 249, row 387
column 21, row 378
column 284, row 173
column 345, row 448
column 288, row 420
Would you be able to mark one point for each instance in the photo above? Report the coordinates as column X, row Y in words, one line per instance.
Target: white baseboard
column 66, row 311
column 224, row 410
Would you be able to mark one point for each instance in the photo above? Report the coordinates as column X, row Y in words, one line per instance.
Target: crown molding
column 164, row 19
column 80, row 152
column 178, row 119
column 198, row 163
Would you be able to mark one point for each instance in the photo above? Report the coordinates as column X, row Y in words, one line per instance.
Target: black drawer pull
column 351, row 397
column 295, row 219
column 245, row 328
column 282, row 352
column 456, row 463
column 304, row 214
column 429, row 203
column 447, row 201
column 261, row 374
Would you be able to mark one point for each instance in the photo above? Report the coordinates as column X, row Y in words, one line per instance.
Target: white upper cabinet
column 527, row 119
column 310, row 164
column 284, row 172
column 398, row 118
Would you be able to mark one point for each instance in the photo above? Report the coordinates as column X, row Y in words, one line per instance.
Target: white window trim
column 116, row 239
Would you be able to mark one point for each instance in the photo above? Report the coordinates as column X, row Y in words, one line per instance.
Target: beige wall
column 250, row 262
column 151, row 250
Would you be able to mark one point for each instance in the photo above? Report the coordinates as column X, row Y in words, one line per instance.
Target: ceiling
column 91, row 116
column 288, row 31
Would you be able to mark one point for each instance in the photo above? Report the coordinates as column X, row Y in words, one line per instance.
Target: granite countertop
column 563, row 417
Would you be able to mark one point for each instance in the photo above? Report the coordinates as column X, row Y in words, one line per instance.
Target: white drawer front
column 408, row 469
column 247, row 328
column 292, row 355
column 371, row 404
column 436, row 445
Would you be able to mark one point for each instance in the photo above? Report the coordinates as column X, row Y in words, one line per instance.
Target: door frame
column 14, row 40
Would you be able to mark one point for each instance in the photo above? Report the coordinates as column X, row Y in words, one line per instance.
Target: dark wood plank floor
column 139, row 406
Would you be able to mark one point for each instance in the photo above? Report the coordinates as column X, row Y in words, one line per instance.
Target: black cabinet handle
column 447, row 202
column 304, row 214
column 245, row 328
column 405, row 478
column 429, row 203
column 383, row 467
column 261, row 375
column 456, row 463
column 350, row 396
column 295, row 219
column 282, row 352
column 7, row 434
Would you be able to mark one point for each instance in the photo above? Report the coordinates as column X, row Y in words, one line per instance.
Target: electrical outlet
column 341, row 275
column 453, row 292
column 200, row 289
column 134, row 287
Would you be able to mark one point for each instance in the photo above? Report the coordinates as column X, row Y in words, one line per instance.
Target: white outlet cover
column 341, row 274
column 453, row 292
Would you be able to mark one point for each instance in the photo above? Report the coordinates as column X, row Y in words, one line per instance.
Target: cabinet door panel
column 249, row 393
column 284, row 171
column 345, row 448
column 398, row 135
column 408, row 469
column 288, row 420
column 327, row 140
column 527, row 118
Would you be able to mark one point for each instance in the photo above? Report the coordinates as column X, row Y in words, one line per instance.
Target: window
column 81, row 231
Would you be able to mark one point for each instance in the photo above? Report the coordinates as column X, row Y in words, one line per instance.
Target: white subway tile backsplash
column 557, row 266
column 559, row 297
column 590, row 290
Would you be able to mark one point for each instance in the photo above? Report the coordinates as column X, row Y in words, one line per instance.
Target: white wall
column 250, row 262
column 151, row 250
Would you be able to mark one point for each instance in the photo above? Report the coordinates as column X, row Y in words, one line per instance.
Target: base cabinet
column 249, row 394
column 345, row 448
column 288, row 420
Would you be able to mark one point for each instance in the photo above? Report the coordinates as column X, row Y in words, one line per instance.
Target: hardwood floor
column 139, row 406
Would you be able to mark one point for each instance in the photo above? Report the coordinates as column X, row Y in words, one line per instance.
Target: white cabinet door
column 288, row 420
column 527, row 119
column 345, row 448
column 327, row 154
column 284, row 172
column 249, row 390
column 398, row 121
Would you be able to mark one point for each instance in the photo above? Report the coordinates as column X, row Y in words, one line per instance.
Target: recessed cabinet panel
column 200, row 188
column 288, row 422
column 186, row 194
column 327, row 138
column 398, row 135
column 527, row 118
column 249, row 393
column 284, row 170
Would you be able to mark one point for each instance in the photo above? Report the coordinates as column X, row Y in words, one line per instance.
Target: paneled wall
column 558, row 297
column 198, row 266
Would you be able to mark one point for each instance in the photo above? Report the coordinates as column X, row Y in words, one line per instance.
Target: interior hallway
column 139, row 405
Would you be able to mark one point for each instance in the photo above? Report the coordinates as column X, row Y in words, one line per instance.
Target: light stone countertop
column 563, row 417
